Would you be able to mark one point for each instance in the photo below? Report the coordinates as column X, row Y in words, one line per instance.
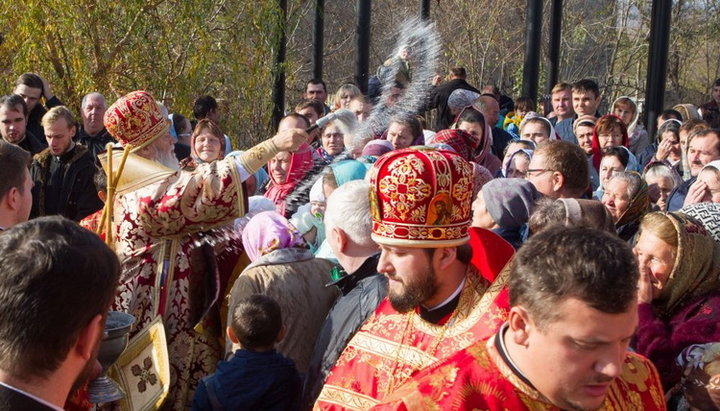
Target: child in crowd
column 256, row 377
column 523, row 105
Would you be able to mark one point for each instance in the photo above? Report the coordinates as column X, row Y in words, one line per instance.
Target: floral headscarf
column 269, row 231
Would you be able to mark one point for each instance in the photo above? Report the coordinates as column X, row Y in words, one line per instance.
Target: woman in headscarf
column 678, row 297
column 207, row 144
column 473, row 122
column 708, row 214
column 661, row 179
column 537, row 129
column 504, row 206
column 609, row 131
column 625, row 108
column 283, row 268
column 626, row 197
column 571, row 212
column 287, row 171
column 706, row 188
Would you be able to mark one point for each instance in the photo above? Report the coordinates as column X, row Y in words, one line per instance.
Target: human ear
column 231, row 335
column 558, row 180
column 89, row 337
column 443, row 257
column 519, row 325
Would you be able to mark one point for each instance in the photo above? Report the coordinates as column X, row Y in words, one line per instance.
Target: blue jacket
column 250, row 381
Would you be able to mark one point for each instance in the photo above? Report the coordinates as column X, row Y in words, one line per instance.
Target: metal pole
column 425, row 9
column 318, row 39
column 657, row 62
column 278, row 90
column 555, row 35
column 362, row 48
column 532, row 48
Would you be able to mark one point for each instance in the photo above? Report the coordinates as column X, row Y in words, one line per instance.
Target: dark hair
column 56, row 277
column 525, row 104
column 705, row 133
column 11, row 101
column 298, row 116
column 408, row 120
column 100, row 180
column 558, row 263
column 668, row 126
column 30, row 80
column 178, row 123
column 316, row 105
column 14, row 162
column 257, row 321
column 619, row 152
column 569, row 160
column 586, row 85
column 462, row 254
column 470, row 115
column 670, row 113
column 458, row 72
column 716, row 83
column 316, row 81
column 203, row 105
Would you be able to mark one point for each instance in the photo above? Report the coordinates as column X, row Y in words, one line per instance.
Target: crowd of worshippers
column 481, row 253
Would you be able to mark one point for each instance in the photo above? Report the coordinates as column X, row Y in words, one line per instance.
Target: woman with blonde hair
column 344, row 95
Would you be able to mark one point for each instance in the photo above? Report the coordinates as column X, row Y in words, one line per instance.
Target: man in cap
column 157, row 212
column 420, row 202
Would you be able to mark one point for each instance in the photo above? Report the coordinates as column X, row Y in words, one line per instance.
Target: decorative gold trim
column 392, row 350
column 419, row 243
column 137, row 173
column 258, row 156
column 241, row 193
column 345, row 398
column 152, row 335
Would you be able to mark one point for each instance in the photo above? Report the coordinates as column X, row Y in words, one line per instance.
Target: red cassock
column 477, row 378
column 392, row 347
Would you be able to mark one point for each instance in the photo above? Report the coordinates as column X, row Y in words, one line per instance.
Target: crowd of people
column 480, row 253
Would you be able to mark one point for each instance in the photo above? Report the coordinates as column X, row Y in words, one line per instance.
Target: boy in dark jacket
column 256, row 377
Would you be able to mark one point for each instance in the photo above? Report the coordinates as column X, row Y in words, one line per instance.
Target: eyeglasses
column 532, row 172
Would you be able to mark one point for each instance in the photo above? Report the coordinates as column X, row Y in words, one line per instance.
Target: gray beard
column 167, row 159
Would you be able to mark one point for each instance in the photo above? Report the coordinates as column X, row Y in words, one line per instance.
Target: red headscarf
column 301, row 162
column 596, row 150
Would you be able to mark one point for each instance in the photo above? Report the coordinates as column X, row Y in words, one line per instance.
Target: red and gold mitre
column 136, row 119
column 421, row 197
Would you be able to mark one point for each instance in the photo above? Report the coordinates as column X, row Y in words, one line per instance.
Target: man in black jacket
column 443, row 117
column 13, row 124
column 63, row 173
column 347, row 228
column 92, row 133
column 57, row 282
column 31, row 87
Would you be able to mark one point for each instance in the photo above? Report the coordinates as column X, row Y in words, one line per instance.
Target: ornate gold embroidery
column 253, row 159
column 346, row 398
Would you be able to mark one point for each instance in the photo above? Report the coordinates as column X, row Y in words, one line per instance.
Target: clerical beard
column 413, row 293
column 167, row 159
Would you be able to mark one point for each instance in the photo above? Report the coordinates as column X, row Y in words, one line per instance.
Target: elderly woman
column 332, row 142
column 614, row 160
column 678, row 291
column 661, row 179
column 283, row 268
column 626, row 197
column 504, row 206
column 207, row 144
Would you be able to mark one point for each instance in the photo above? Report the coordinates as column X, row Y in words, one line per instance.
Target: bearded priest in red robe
column 420, row 206
column 156, row 212
column 573, row 298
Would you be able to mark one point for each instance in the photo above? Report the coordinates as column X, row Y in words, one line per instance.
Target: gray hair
column 88, row 96
column 348, row 208
column 664, row 171
column 633, row 180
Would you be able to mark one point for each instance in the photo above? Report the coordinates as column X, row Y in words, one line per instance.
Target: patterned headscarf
column 269, row 231
column 697, row 265
column 708, row 214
